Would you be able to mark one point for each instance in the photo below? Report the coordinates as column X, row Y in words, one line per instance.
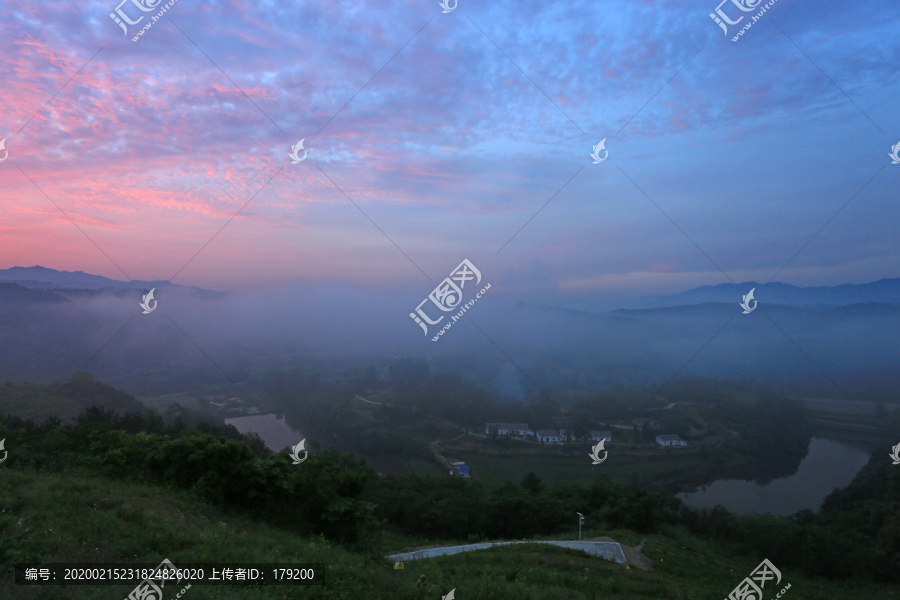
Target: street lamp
column 580, row 521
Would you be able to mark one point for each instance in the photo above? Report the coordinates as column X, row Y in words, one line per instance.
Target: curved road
column 607, row 550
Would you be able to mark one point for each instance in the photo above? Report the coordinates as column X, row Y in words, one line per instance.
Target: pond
column 828, row 465
column 275, row 432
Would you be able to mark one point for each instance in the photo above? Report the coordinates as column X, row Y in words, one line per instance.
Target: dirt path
column 435, row 449
column 633, row 555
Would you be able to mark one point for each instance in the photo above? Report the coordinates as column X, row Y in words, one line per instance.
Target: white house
column 566, row 435
column 520, row 429
column 596, row 436
column 548, row 436
column 670, row 440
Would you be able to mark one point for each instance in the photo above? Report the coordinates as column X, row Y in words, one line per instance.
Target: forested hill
column 64, row 399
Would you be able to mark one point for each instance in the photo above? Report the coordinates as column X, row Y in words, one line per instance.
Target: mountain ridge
column 38, row 277
column 883, row 291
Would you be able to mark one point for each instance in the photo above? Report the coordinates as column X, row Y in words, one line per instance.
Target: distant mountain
column 790, row 341
column 815, row 313
column 885, row 291
column 12, row 294
column 47, row 279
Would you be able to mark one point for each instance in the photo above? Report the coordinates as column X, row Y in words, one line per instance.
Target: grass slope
column 75, row 516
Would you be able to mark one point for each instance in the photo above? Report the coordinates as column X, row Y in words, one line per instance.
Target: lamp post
column 580, row 521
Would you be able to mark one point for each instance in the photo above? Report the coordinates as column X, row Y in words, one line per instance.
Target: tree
column 532, row 483
column 511, row 512
column 326, row 491
column 218, row 468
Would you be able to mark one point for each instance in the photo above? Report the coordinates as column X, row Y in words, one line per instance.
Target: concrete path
column 607, row 550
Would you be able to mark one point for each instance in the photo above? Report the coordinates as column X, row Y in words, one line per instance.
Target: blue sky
column 435, row 137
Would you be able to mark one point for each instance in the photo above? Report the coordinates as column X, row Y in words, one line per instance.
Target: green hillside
column 111, row 489
column 124, row 522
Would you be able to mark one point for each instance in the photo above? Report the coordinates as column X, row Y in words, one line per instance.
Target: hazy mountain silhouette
column 803, row 340
column 38, row 277
column 885, row 290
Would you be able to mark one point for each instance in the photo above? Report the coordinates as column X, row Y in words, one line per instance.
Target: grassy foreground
column 76, row 516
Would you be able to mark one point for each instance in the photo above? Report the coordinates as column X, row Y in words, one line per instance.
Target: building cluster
column 559, row 436
column 508, row 429
column 670, row 440
column 544, row 436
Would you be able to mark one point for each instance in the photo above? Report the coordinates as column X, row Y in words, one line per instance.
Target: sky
column 432, row 137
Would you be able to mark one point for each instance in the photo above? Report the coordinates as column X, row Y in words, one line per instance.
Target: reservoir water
column 276, row 433
column 828, row 465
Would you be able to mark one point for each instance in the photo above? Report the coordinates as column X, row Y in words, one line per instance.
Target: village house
column 596, row 436
column 520, row 429
column 670, row 440
column 548, row 436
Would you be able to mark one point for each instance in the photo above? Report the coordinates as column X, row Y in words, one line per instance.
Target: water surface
column 828, row 465
column 276, row 433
